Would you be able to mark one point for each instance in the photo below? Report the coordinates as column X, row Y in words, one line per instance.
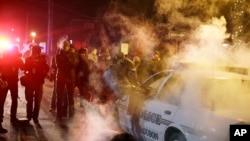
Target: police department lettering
column 149, row 133
column 151, row 117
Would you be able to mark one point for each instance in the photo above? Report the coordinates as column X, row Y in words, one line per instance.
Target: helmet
column 36, row 49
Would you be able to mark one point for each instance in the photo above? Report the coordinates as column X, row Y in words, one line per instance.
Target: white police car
column 187, row 106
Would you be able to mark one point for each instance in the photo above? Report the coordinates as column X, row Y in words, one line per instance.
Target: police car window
column 171, row 91
column 152, row 80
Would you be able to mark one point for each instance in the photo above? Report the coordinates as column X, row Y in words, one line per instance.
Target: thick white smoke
column 205, row 49
column 97, row 124
column 205, row 43
column 138, row 34
column 204, row 46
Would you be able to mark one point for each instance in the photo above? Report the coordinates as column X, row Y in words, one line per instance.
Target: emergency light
column 4, row 44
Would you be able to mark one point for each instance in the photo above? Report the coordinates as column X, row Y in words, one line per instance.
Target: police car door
column 124, row 118
column 158, row 112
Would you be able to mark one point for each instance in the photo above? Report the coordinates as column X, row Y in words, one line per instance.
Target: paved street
column 92, row 123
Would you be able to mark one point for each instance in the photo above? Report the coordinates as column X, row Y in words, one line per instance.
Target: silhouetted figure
column 10, row 65
column 68, row 99
column 83, row 71
column 156, row 63
column 36, row 68
column 141, row 66
column 65, row 80
column 3, row 84
column 52, row 77
column 128, row 84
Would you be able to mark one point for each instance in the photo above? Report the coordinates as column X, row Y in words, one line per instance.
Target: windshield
column 215, row 93
column 154, row 80
column 226, row 94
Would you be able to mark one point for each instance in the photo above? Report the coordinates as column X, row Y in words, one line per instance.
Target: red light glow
column 4, row 44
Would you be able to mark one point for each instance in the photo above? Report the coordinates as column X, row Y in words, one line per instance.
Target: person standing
column 68, row 103
column 155, row 63
column 52, row 77
column 3, row 84
column 11, row 64
column 141, row 66
column 83, row 75
column 128, row 83
column 36, row 68
column 64, row 78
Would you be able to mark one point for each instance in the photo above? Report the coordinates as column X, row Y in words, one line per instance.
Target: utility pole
column 26, row 28
column 49, row 49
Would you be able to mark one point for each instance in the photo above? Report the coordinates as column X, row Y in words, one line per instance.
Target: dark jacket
column 36, row 68
column 66, row 65
column 11, row 63
column 82, row 72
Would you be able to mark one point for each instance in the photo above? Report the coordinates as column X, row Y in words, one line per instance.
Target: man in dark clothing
column 3, row 84
column 52, row 77
column 127, row 84
column 141, row 66
column 68, row 99
column 155, row 64
column 36, row 68
column 11, row 63
column 83, row 72
column 65, row 78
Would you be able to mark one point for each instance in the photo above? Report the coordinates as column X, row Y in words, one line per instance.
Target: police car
column 187, row 105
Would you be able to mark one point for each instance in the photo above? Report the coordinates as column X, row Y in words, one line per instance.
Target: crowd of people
column 100, row 77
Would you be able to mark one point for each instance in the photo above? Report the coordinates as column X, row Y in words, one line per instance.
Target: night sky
column 32, row 15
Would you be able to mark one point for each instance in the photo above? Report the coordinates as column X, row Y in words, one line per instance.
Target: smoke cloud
column 139, row 34
column 227, row 95
column 204, row 46
column 99, row 123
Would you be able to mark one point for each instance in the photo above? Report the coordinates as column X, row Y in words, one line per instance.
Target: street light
column 33, row 35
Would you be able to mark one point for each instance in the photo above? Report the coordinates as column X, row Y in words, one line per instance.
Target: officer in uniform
column 3, row 84
column 36, row 69
column 11, row 63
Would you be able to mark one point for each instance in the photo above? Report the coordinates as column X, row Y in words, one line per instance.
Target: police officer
column 36, row 68
column 3, row 84
column 11, row 64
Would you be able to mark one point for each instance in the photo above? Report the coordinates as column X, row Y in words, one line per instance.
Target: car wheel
column 177, row 137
